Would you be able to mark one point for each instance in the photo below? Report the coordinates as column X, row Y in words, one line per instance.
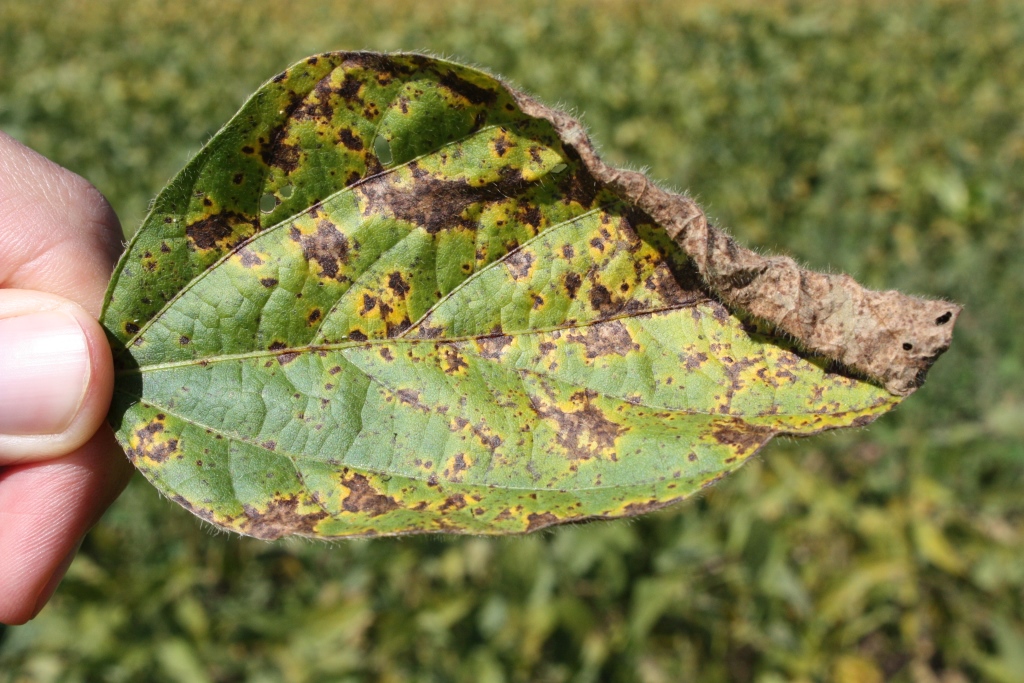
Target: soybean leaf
column 394, row 295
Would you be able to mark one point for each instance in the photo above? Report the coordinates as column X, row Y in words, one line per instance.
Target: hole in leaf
column 382, row 148
column 268, row 203
column 944, row 318
column 907, row 346
column 287, row 191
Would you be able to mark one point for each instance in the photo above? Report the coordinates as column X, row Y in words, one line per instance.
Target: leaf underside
column 384, row 299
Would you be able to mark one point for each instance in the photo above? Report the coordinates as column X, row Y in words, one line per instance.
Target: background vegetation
column 882, row 140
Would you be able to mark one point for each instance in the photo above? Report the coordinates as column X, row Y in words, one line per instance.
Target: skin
column 59, row 240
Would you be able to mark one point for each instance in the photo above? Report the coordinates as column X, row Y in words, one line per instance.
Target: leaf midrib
column 369, row 343
column 294, row 458
column 867, row 409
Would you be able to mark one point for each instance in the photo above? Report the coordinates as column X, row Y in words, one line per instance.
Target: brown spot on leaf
column 502, row 145
column 695, row 360
column 328, row 246
column 456, row 501
column 601, row 299
column 863, row 420
column 530, row 214
column 411, row 397
column 504, row 515
column 217, row 230
column 469, row 91
column 488, row 438
column 493, row 346
column 585, row 432
column 202, row 513
column 572, row 284
column 740, row 435
column 650, row 506
column 281, row 154
column 317, row 105
column 149, row 446
column 350, row 140
column 519, row 263
column 363, row 498
column 268, row 282
column 396, row 329
column 611, row 338
column 398, row 285
column 281, row 518
column 283, row 358
column 539, row 520
column 579, row 187
column 427, row 331
column 349, row 89
column 453, row 360
column 676, row 287
column 435, row 204
column 249, row 258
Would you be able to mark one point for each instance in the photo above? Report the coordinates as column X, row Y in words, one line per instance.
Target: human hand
column 60, row 466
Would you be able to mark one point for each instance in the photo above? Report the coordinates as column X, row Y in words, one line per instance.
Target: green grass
column 886, row 143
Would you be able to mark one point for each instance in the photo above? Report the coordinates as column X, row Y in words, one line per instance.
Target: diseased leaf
column 394, row 295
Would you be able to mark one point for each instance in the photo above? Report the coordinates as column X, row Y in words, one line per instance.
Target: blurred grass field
column 886, row 141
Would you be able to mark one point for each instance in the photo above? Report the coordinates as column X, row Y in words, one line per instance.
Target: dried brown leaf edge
column 888, row 336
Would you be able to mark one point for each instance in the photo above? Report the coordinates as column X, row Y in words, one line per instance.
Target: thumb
column 56, row 376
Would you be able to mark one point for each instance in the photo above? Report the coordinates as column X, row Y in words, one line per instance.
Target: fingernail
column 44, row 371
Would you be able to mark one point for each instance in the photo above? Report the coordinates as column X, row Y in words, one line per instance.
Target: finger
column 57, row 235
column 57, row 232
column 45, row 510
column 56, row 376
